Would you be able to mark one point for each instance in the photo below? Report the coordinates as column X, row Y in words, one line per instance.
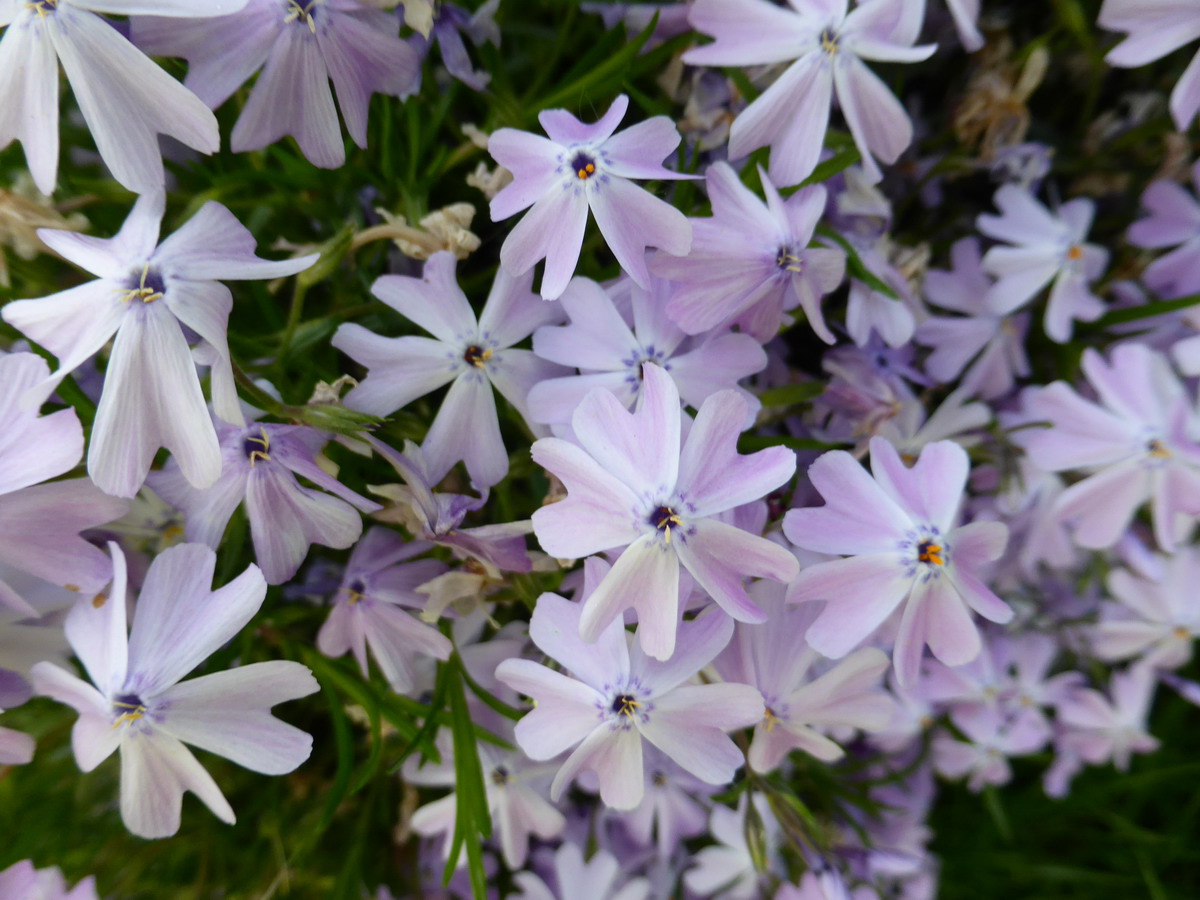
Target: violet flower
column 1139, row 444
column 751, row 260
column 992, row 738
column 899, row 531
column 595, row 879
column 139, row 706
column 449, row 24
column 630, row 484
column 803, row 699
column 669, row 811
column 21, row 881
column 1046, row 248
column 152, row 396
column 381, row 576
column 826, row 46
column 982, row 347
column 259, row 465
column 299, row 45
column 581, row 167
column 619, row 696
column 125, row 98
column 15, row 748
column 728, row 869
column 966, row 21
column 40, row 523
column 472, row 355
column 1152, row 31
column 610, row 354
column 1174, row 221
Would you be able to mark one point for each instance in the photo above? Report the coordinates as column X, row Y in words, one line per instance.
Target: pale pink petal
column 156, row 770
column 748, row 32
column 565, row 129
column 632, row 219
column 879, row 124
column 862, row 592
column 434, row 301
column 598, row 512
column 646, row 573
column 401, row 369
column 721, row 556
column 859, row 517
column 466, row 427
column 567, row 710
column 615, row 755
column 554, row 628
column 551, row 230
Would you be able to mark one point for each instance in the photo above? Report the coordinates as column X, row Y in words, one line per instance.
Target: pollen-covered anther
column 931, row 553
column 583, row 166
column 1075, row 253
column 147, row 293
column 829, row 42
column 663, row 519
column 625, row 705
column 770, row 720
column 788, row 261
column 477, row 356
column 1156, row 449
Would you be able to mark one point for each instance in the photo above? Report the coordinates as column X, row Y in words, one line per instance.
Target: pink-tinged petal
column 127, row 100
column 156, row 770
column 16, row 749
column 878, row 122
column 292, row 96
column 932, row 489
column 615, row 755
column 286, row 519
column 466, row 427
column 364, row 55
column 525, row 813
column 401, row 369
column 631, row 220
column 949, row 629
column 1070, row 300
column 533, row 160
column 1023, row 220
column 980, row 597
column 223, row 53
column 228, row 713
column 563, row 128
column 1185, row 96
column 434, row 301
column 96, row 631
column 721, row 556
column 747, row 32
column 1123, row 640
column 1011, row 292
column 50, row 680
column 398, row 640
column 209, row 510
column 1174, row 217
column 704, row 751
column 94, row 739
column 697, row 643
column 713, row 476
column 551, row 230
column 555, row 400
column 862, row 592
column 636, row 151
column 724, row 706
column 1081, row 434
column 72, row 324
column 180, row 621
column 1175, row 495
column 554, row 628
column 791, row 116
column 858, row 516
column 978, row 543
column 1100, row 508
column 33, row 448
column 39, row 532
column 598, row 512
column 151, row 399
column 29, row 114
column 1134, row 383
column 597, row 336
column 567, row 710
column 513, row 311
column 641, row 449
column 646, row 575
column 715, row 365
column 213, row 244
column 515, row 373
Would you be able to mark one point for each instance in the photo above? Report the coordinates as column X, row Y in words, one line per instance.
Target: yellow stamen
column 770, row 720
column 296, row 12
column 141, row 292
column 1157, row 450
column 931, row 553
column 626, row 705
column 586, row 172
column 135, row 713
column 99, row 600
column 1075, row 253
column 262, row 454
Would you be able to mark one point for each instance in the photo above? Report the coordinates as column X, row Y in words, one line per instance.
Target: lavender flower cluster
column 738, row 559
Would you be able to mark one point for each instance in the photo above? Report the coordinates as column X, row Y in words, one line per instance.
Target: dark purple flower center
column 664, row 517
column 829, row 41
column 128, row 708
column 931, row 553
column 255, row 446
column 145, row 284
column 477, row 356
column 625, row 705
column 500, row 775
column 1157, row 449
column 583, row 166
column 786, row 259
column 357, row 587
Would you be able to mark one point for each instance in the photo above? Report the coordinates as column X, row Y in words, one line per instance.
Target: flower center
column 500, row 776
column 625, row 705
column 146, row 286
column 43, row 7
column 1075, row 253
column 787, row 260
column 931, row 553
column 356, row 590
column 829, row 42
column 1156, row 449
column 256, row 448
column 477, row 356
column 301, row 10
column 129, row 708
column 663, row 519
column 583, row 165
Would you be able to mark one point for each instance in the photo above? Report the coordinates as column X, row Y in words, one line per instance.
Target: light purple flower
column 581, row 167
column 669, row 811
column 1046, row 248
column 450, row 23
column 727, row 869
column 1139, row 444
column 472, row 355
column 966, row 20
column 380, row 577
column 21, row 881
column 982, row 347
column 151, row 295
column 126, row 99
column 620, row 697
column 139, row 706
column 299, row 45
column 259, row 465
column 595, row 879
column 803, row 698
column 40, row 523
column 630, row 485
column 899, row 530
column 1154, row 29
column 600, row 342
column 992, row 738
column 826, row 44
column 1174, row 221
column 15, row 748
column 872, row 312
column 751, row 260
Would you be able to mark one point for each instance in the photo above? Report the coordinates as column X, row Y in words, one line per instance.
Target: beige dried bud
column 23, row 210
column 993, row 113
column 475, row 135
column 418, row 15
column 443, row 229
column 489, row 181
